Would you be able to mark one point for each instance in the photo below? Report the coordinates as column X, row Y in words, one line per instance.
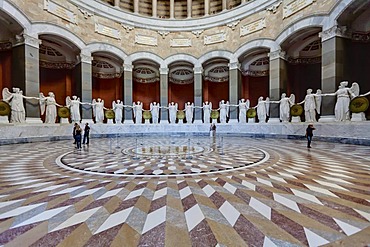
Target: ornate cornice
column 335, row 31
column 27, row 40
column 277, row 54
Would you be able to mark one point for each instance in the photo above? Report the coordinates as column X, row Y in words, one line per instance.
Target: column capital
column 163, row 71
column 128, row 67
column 198, row 70
column 26, row 40
column 85, row 58
column 334, row 31
column 277, row 54
column 234, row 65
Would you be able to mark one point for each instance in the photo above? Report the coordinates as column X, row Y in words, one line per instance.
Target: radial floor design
column 277, row 194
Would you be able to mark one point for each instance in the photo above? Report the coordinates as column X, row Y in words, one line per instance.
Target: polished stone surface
column 295, row 197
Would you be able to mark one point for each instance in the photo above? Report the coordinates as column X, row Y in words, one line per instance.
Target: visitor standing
column 213, row 130
column 309, row 134
column 86, row 134
column 74, row 133
column 78, row 133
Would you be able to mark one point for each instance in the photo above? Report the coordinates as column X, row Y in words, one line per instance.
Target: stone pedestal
column 110, row 121
column 214, row 120
column 181, row 121
column 147, row 121
column 358, row 117
column 251, row 120
column 33, row 120
column 4, row 119
column 296, row 119
column 64, row 120
column 327, row 118
column 273, row 120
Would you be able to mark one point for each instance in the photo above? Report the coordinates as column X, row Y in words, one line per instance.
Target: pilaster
column 164, row 93
column 234, row 90
column 127, row 89
column 198, row 94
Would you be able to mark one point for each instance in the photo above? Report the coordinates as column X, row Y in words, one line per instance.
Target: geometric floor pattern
column 292, row 196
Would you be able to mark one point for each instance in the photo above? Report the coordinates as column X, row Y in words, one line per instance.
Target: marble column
column 164, row 94
column 234, row 90
column 198, row 94
column 116, row 3
column 189, row 7
column 86, row 85
column 25, row 73
column 154, row 8
column 136, row 6
column 128, row 96
column 332, row 68
column 278, row 81
column 224, row 5
column 206, row 7
column 172, row 9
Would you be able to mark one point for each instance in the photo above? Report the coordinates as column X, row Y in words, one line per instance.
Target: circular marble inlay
column 162, row 156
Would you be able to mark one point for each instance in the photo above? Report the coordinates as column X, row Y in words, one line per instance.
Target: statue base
column 128, row 121
column 198, row 121
column 109, row 121
column 358, row 117
column 90, row 121
column 64, row 120
column 33, row 120
column 273, row 120
column 214, row 120
column 147, row 121
column 181, row 121
column 4, row 120
column 233, row 121
column 251, row 120
column 327, row 119
column 296, row 119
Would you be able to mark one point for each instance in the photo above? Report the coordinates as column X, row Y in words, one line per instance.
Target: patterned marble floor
column 180, row 192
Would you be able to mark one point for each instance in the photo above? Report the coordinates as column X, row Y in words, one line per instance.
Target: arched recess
column 12, row 11
column 59, row 67
column 130, row 59
column 107, row 77
column 182, row 57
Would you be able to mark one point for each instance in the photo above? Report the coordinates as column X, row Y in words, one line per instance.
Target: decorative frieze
column 127, row 28
column 5, row 46
column 85, row 13
column 256, row 73
column 277, row 54
column 233, row 24
column 305, row 60
column 85, row 58
column 55, row 65
column 106, row 75
column 180, row 42
column 253, row 27
column 361, row 37
column 107, row 31
column 197, row 33
column 163, row 33
column 60, row 11
column 335, row 31
column 214, row 38
column 296, row 6
column 146, row 40
column 273, row 8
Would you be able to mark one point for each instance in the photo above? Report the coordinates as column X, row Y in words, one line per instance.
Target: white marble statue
column 48, row 105
column 117, row 107
column 263, row 109
column 154, row 109
column 172, row 109
column 15, row 99
column 207, row 109
column 137, row 108
column 312, row 104
column 224, row 110
column 189, row 112
column 74, row 108
column 243, row 108
column 284, row 107
column 344, row 95
column 98, row 110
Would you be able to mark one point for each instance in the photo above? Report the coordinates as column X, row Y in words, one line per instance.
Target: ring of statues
column 349, row 100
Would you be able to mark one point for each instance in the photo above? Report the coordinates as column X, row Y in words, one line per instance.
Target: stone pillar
column 86, row 85
column 25, row 73
column 234, row 90
column 136, row 6
column 224, row 5
column 198, row 94
column 332, row 68
column 278, row 81
column 206, row 7
column 127, row 89
column 154, row 8
column 244, row 1
column 164, row 94
column 172, row 9
column 116, row 3
column 189, row 8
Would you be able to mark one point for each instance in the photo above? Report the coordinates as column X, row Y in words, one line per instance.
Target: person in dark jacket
column 86, row 134
column 74, row 133
column 309, row 134
column 78, row 136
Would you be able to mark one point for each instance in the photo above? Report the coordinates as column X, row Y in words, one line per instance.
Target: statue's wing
column 177, row 106
column 248, row 103
column 292, row 99
column 355, row 89
column 68, row 101
column 6, row 93
column 192, row 108
column 318, row 100
column 151, row 107
column 210, row 105
column 114, row 104
column 267, row 105
column 42, row 103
